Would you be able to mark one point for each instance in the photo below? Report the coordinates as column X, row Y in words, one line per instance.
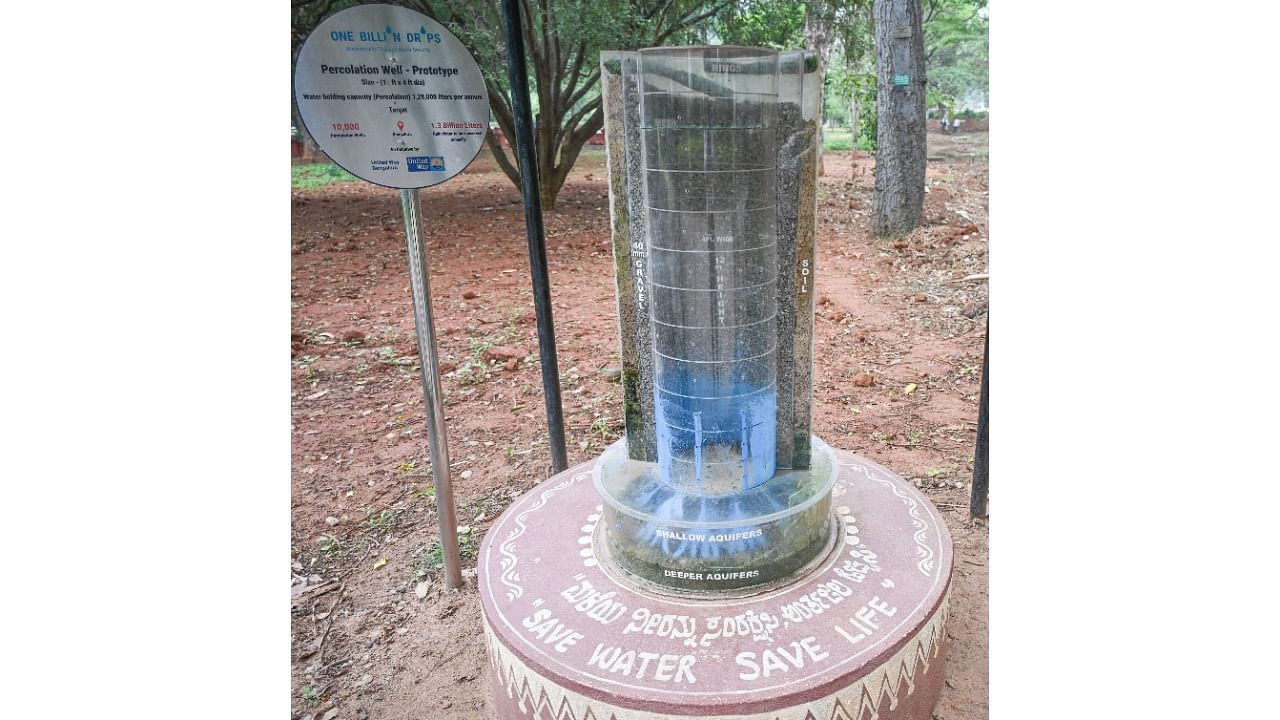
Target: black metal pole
column 519, row 74
column 978, row 494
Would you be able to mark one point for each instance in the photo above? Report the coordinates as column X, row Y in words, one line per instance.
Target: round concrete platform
column 862, row 635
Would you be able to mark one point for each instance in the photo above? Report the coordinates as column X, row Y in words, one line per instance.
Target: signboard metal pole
column 523, row 146
column 431, row 392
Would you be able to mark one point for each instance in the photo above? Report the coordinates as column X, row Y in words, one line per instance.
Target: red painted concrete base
column 863, row 635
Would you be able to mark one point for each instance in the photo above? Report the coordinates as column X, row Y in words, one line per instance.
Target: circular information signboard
column 391, row 96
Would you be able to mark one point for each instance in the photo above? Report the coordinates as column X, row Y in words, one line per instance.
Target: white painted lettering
column 536, row 618
column 624, row 662
column 603, row 657
column 685, row 669
column 646, row 657
column 771, row 662
column 551, row 631
column 816, row 653
column 666, row 667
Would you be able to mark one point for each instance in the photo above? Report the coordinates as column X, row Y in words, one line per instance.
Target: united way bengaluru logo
column 428, row 163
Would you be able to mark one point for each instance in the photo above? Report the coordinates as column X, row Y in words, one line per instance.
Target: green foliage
column 867, row 128
column 306, row 14
column 859, row 85
column 833, row 139
column 849, row 75
column 955, row 36
column 761, row 23
column 956, row 59
column 307, row 177
column 563, row 41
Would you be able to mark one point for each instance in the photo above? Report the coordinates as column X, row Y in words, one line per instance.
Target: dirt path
column 375, row 635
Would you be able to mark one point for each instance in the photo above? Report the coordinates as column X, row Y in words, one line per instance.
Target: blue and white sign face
column 391, row 96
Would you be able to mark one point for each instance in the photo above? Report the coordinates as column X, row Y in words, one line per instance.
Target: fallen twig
column 342, row 589
column 309, row 593
column 912, row 445
column 319, row 648
column 447, row 658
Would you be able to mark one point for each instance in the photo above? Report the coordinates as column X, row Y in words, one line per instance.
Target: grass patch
column 307, row 177
column 431, row 561
column 833, row 139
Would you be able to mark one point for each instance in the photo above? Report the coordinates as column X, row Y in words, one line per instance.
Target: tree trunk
column 311, row 151
column 853, row 120
column 900, row 137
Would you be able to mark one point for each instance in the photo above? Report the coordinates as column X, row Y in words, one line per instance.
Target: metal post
column 978, row 493
column 431, row 393
column 518, row 72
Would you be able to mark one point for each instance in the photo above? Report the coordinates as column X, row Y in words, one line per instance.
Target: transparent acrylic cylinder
column 708, row 129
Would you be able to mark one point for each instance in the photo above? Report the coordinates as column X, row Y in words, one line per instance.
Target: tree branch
column 560, row 172
column 574, row 71
column 572, row 122
column 657, row 9
column 685, row 21
column 526, row 27
column 500, row 156
column 586, row 88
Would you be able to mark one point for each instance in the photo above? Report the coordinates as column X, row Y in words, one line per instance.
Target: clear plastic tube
column 708, row 117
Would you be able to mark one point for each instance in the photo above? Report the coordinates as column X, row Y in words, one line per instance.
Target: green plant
column 571, row 378
column 867, row 129
column 309, row 177
column 331, row 546
column 602, row 428
column 468, row 544
column 382, row 521
column 310, row 695
column 387, row 356
column 432, row 557
column 471, row 372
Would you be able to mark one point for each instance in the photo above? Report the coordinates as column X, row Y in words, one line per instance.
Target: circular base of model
column 695, row 544
column 861, row 634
